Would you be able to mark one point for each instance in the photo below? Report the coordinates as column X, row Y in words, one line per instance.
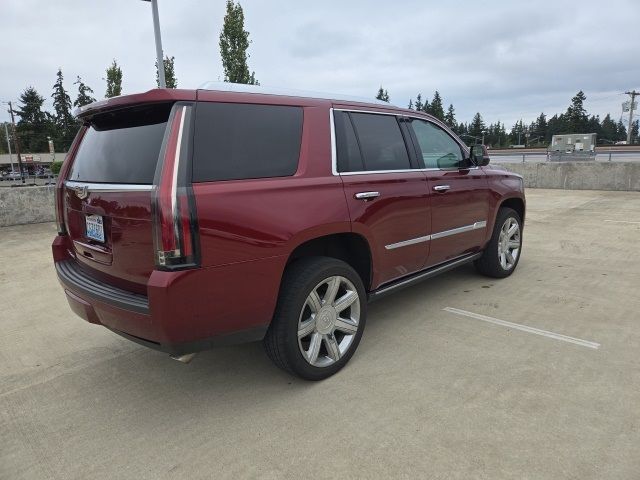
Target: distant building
column 573, row 142
column 572, row 147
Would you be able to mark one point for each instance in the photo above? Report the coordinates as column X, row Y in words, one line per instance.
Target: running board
column 420, row 276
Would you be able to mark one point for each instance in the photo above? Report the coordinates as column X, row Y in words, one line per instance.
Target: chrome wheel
column 509, row 243
column 328, row 321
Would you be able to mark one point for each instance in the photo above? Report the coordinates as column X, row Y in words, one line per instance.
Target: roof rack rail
column 288, row 92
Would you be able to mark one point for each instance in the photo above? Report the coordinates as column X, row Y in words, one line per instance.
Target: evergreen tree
column 234, row 42
column 114, row 81
column 410, row 106
column 169, row 73
column 382, row 95
column 516, row 136
column 621, row 131
column 65, row 124
column 450, row 117
column 608, row 129
column 577, row 115
column 435, row 108
column 84, row 91
column 541, row 127
column 477, row 126
column 419, row 105
column 34, row 125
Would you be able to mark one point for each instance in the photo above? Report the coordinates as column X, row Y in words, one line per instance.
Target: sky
column 505, row 59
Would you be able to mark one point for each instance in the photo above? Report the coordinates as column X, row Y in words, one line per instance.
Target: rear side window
column 236, row 141
column 122, row 146
column 381, row 142
column 349, row 158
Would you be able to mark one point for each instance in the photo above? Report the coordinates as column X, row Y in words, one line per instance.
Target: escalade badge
column 82, row 192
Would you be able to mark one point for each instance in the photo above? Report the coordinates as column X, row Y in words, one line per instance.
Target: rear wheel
column 502, row 254
column 319, row 318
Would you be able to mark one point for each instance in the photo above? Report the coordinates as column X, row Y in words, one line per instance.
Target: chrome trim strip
column 455, row 231
column 109, row 187
column 406, row 243
column 435, row 236
column 334, row 152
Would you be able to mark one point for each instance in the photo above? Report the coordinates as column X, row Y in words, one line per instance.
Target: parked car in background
column 194, row 218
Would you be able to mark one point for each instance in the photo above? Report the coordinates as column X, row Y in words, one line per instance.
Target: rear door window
column 237, row 141
column 381, row 142
column 121, row 146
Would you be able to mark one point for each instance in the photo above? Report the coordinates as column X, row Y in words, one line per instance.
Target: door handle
column 441, row 188
column 366, row 195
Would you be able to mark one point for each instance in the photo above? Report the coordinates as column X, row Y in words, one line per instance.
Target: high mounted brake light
column 175, row 227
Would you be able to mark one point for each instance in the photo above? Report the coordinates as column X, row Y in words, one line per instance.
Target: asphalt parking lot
column 430, row 393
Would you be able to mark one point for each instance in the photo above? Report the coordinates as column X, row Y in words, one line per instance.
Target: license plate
column 95, row 228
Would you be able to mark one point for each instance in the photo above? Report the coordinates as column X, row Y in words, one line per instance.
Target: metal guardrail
column 549, row 156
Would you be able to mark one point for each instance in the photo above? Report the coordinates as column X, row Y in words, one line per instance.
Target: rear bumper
column 184, row 311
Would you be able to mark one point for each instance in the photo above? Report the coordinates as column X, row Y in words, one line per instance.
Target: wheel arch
column 350, row 247
column 515, row 203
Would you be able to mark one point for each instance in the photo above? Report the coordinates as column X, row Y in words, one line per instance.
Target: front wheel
column 319, row 318
column 502, row 254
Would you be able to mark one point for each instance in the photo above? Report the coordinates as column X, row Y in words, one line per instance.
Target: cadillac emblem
column 81, row 192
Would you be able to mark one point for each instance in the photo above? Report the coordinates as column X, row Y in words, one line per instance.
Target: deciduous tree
column 169, row 73
column 234, row 42
column 114, row 80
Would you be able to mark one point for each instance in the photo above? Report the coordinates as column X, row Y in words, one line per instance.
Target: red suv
column 193, row 218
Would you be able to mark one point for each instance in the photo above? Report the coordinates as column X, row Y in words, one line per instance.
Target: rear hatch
column 108, row 194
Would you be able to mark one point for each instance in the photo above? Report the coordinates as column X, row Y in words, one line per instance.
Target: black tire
column 281, row 340
column 489, row 264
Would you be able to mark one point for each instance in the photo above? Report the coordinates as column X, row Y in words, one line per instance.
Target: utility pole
column 17, row 142
column 156, row 30
column 633, row 94
column 6, row 133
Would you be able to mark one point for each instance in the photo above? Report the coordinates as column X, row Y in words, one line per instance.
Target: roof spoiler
column 157, row 95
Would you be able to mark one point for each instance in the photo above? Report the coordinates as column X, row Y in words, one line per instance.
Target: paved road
column 429, row 394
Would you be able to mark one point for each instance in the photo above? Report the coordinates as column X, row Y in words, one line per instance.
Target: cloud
column 507, row 60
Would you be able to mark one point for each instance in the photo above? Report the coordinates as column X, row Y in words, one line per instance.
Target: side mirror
column 479, row 155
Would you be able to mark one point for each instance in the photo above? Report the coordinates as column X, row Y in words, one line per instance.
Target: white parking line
column 622, row 221
column 524, row 328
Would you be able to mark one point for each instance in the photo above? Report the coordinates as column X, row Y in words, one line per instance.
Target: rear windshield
column 237, row 141
column 122, row 146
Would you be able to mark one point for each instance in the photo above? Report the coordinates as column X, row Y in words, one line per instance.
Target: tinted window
column 122, row 146
column 235, row 141
column 349, row 158
column 439, row 150
column 381, row 142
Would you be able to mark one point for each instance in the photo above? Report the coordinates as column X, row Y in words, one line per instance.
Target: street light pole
column 156, row 30
column 6, row 133
column 17, row 141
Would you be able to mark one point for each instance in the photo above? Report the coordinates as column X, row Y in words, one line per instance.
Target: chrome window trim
column 109, row 187
column 334, row 151
column 435, row 236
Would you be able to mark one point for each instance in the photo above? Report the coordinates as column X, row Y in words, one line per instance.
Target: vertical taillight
column 62, row 176
column 175, row 227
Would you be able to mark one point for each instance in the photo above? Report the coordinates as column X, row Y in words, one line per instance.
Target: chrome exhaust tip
column 184, row 358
